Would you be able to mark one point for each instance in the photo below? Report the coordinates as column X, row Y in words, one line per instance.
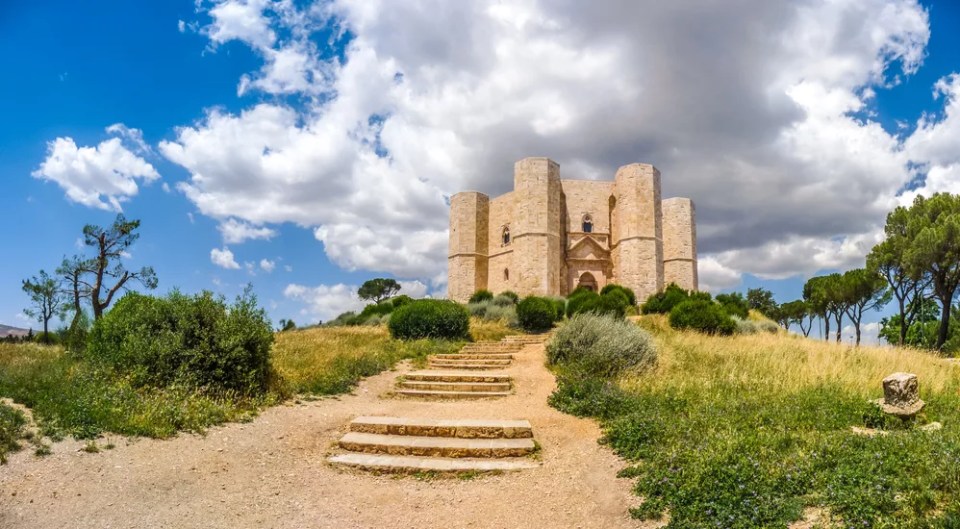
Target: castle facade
column 548, row 236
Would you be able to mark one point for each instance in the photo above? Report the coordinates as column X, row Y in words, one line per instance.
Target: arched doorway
column 588, row 281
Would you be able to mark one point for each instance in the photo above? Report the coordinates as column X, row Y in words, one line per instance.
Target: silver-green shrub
column 754, row 327
column 479, row 308
column 601, row 345
column 504, row 301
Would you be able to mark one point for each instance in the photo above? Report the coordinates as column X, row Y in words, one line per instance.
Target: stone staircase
column 393, row 444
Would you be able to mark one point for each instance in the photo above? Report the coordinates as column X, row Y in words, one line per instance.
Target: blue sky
column 339, row 127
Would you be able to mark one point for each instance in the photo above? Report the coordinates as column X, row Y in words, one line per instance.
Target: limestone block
column 901, row 395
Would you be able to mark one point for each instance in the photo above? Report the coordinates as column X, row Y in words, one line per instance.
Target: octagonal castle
column 548, row 236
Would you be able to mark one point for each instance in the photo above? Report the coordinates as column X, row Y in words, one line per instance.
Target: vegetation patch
column 12, row 429
column 750, row 430
column 536, row 314
column 430, row 318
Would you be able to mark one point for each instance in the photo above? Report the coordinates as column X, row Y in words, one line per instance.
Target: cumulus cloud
column 223, row 258
column 715, row 276
column 267, row 265
column 789, row 170
column 101, row 177
column 236, row 231
column 325, row 302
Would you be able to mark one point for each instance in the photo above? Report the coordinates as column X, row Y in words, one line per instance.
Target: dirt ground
column 273, row 473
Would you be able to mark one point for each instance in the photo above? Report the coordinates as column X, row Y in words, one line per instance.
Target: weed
column 91, row 448
column 12, row 428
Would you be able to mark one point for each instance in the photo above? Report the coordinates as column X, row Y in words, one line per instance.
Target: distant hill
column 6, row 330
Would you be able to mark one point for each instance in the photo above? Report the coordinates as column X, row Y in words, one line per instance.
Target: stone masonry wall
column 639, row 243
column 680, row 243
column 467, row 262
column 536, row 226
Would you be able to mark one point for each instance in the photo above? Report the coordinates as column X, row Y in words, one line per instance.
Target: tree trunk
column 839, row 325
column 857, row 326
column 903, row 323
column 944, row 323
column 826, row 327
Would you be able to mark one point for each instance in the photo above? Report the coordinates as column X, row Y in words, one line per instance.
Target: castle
column 548, row 236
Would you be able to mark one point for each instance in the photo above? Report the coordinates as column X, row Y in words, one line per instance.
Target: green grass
column 12, row 429
column 749, row 431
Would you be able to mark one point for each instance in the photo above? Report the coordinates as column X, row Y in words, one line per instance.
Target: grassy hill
column 756, row 430
column 6, row 330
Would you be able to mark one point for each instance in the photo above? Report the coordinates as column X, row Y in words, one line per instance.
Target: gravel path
column 273, row 473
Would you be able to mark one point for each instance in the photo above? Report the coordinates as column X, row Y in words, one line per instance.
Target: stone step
column 462, row 428
column 493, row 345
column 435, row 394
column 450, row 359
column 457, row 376
column 455, row 386
column 411, row 464
column 411, row 445
column 476, row 356
column 461, row 365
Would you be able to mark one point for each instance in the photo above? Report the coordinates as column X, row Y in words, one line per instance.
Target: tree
column 922, row 332
column 46, row 298
column 378, row 289
column 796, row 312
column 863, row 290
column 761, row 299
column 815, row 296
column 887, row 259
column 287, row 325
column 933, row 229
column 836, row 302
column 111, row 245
column 73, row 287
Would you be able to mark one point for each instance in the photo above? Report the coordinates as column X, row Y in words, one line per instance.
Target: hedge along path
column 273, row 473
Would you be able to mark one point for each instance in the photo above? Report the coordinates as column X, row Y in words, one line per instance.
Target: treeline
column 917, row 266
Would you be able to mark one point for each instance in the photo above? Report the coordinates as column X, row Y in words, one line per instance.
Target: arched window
column 588, row 282
column 587, row 224
column 506, row 274
column 506, row 235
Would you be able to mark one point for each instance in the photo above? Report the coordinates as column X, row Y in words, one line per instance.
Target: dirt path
column 272, row 473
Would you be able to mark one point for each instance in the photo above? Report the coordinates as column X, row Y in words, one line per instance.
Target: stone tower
column 549, row 236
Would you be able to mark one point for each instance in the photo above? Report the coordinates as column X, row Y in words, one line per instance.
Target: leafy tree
column 73, row 286
column 933, row 229
column 287, row 325
column 378, row 289
column 906, row 286
column 761, row 299
column 815, row 292
column 798, row 312
column 45, row 297
column 922, row 331
column 111, row 244
column 837, row 302
column 863, row 290
column 734, row 304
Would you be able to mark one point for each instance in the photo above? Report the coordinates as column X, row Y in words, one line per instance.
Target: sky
column 305, row 146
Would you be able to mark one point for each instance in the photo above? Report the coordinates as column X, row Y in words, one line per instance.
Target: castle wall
column 467, row 262
column 587, row 197
column 536, row 229
column 639, row 244
column 680, row 243
column 502, row 271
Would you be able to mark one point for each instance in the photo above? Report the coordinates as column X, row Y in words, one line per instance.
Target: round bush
column 597, row 345
column 663, row 302
column 703, row 316
column 560, row 305
column 734, row 304
column 430, row 318
column 504, row 301
column 631, row 297
column 536, row 314
column 479, row 309
column 511, row 295
column 481, row 295
column 579, row 298
column 399, row 301
column 197, row 341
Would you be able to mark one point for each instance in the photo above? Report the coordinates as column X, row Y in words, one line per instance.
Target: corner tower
column 536, row 226
column 637, row 230
column 467, row 260
column 680, row 243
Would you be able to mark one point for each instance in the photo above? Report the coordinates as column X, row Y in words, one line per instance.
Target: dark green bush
column 601, row 346
column 735, row 304
column 536, row 314
column 704, row 316
column 510, row 294
column 399, row 301
column 345, row 318
column 481, row 295
column 375, row 309
column 663, row 302
column 587, row 396
column 578, row 299
column 430, row 318
column 560, row 305
column 631, row 297
column 196, row 341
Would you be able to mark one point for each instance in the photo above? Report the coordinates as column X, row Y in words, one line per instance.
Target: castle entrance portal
column 588, row 281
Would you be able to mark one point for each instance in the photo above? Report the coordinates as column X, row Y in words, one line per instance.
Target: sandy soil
column 273, row 473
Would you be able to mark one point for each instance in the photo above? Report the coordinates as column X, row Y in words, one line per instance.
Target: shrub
column 12, row 429
column 510, row 294
column 560, row 305
column 631, row 297
column 507, row 315
column 663, row 302
column 578, row 299
column 704, row 316
column 504, row 301
column 399, row 301
column 734, row 304
column 602, row 346
column 430, row 318
column 196, row 341
column 481, row 295
column 536, row 314
column 479, row 308
column 586, row 396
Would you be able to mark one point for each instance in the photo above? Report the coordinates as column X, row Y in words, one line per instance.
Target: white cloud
column 414, row 289
column 134, row 136
column 325, row 301
column 288, row 268
column 101, row 177
column 223, row 258
column 779, row 151
column 236, row 232
column 181, row 26
column 267, row 265
column 869, row 333
column 714, row 276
